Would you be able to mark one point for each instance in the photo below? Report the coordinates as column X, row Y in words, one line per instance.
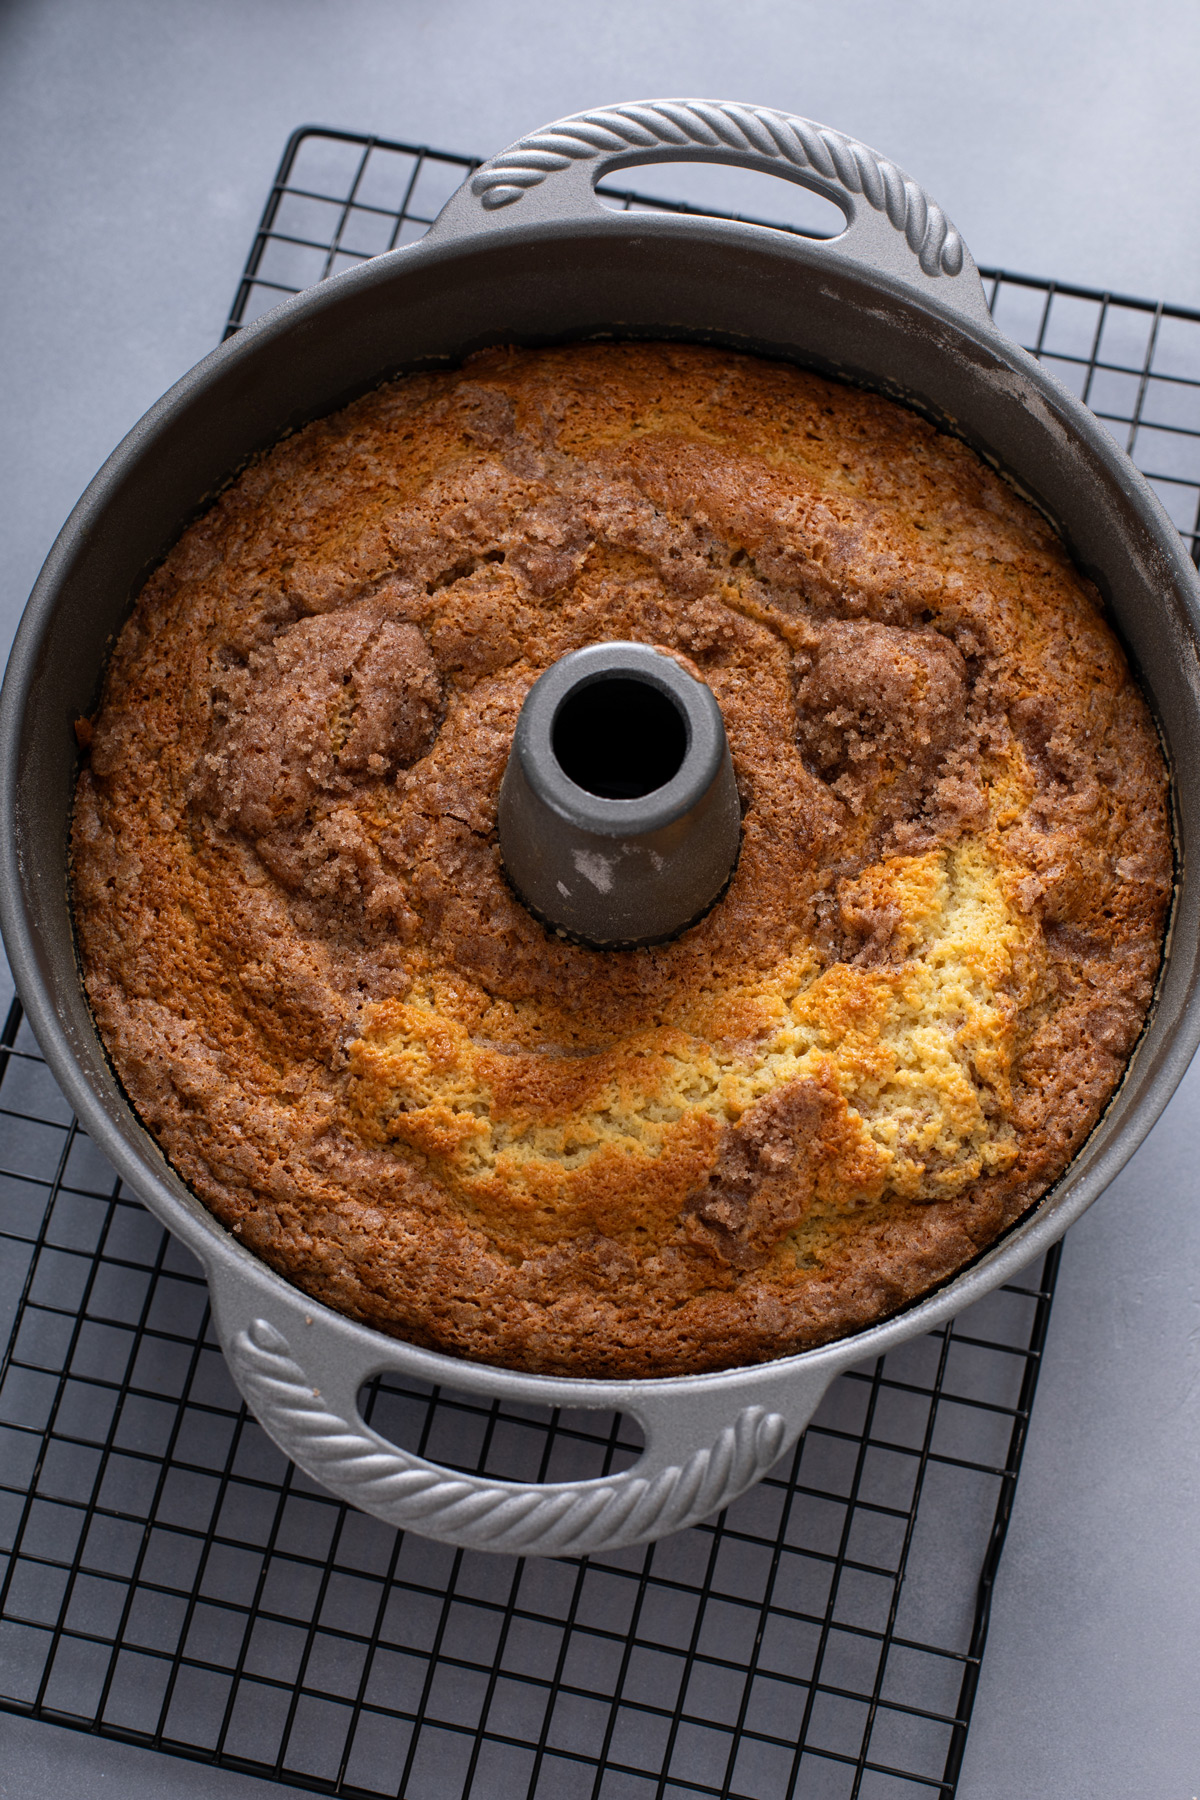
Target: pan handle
column 301, row 1367
column 892, row 225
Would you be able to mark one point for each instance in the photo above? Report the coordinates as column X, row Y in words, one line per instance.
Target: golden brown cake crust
column 874, row 1054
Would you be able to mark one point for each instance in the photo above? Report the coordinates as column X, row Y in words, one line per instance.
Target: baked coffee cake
column 879, row 1048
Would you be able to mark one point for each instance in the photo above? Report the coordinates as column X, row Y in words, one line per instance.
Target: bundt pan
column 524, row 252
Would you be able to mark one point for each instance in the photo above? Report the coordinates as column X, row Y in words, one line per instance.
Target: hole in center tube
column 619, row 738
column 507, row 1440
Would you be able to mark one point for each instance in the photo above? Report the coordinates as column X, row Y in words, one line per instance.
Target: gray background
column 138, row 138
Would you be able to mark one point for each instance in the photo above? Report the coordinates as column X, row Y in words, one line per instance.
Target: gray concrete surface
column 137, row 138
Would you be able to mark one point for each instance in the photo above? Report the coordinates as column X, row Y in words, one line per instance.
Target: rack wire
column 340, row 198
column 171, row 1580
column 168, row 1579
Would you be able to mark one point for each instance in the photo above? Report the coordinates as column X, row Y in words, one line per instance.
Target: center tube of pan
column 619, row 817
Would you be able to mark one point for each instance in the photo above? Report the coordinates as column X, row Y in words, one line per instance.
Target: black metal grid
column 170, row 1580
column 339, row 199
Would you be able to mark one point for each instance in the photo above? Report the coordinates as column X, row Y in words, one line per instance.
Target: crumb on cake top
column 879, row 1048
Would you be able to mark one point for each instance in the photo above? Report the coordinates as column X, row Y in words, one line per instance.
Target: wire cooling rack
column 170, row 1580
column 340, row 198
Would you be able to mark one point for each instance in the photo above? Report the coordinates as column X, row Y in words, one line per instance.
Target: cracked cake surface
column 873, row 1055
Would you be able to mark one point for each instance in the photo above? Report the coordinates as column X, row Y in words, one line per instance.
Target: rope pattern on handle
column 712, row 125
column 568, row 1518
